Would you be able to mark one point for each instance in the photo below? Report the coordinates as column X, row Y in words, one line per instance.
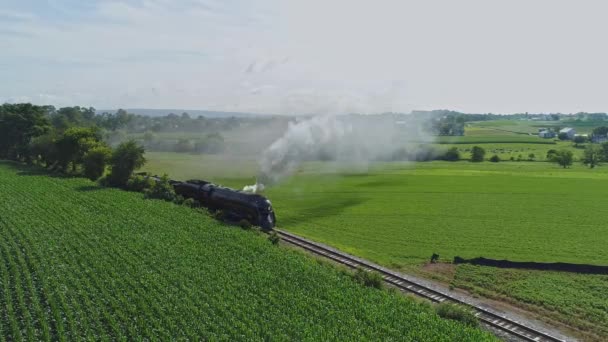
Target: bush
column 184, row 146
column 139, row 183
column 457, row 313
column 219, row 215
column 244, row 224
column 178, row 199
column 371, row 279
column 95, row 160
column 191, row 202
column 274, row 238
column 495, row 159
column 161, row 190
column 452, row 154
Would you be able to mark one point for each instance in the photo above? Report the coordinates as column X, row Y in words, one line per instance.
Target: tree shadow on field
column 43, row 172
column 324, row 208
column 34, row 170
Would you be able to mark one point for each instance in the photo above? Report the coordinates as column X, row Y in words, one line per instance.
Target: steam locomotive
column 236, row 205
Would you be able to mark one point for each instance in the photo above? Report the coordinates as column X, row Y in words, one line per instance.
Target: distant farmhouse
column 570, row 132
column 546, row 133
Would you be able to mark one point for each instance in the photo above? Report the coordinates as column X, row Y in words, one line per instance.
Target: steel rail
column 493, row 319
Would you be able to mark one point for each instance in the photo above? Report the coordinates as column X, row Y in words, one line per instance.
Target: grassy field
column 398, row 215
column 219, row 168
column 80, row 262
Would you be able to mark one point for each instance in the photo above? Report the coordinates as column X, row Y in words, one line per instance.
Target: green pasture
column 400, row 214
column 519, row 211
column 218, row 168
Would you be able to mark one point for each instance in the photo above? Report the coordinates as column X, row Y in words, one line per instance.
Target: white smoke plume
column 255, row 188
column 359, row 139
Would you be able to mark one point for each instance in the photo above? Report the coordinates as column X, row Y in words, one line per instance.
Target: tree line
column 68, row 140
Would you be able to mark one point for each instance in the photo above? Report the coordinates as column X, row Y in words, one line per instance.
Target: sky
column 307, row 56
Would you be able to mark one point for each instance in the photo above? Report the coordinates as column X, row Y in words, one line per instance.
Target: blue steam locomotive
column 236, row 205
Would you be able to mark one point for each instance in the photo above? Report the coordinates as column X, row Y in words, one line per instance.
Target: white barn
column 569, row 131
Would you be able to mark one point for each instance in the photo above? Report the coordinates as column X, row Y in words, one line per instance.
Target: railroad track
column 486, row 316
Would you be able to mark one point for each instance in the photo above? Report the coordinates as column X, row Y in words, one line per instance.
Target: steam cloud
column 358, row 139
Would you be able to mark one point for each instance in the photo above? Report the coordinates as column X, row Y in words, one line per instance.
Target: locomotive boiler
column 236, row 205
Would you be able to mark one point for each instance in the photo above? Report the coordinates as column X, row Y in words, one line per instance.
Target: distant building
column 546, row 134
column 598, row 139
column 570, row 132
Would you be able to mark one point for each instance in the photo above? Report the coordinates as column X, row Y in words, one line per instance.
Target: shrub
column 95, row 160
column 274, row 238
column 139, row 183
column 495, row 159
column 191, row 202
column 371, row 279
column 244, row 224
column 161, row 190
column 452, row 154
column 178, row 199
column 457, row 313
column 219, row 215
column 183, row 146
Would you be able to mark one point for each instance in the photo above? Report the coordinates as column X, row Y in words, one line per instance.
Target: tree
column 551, row 154
column 452, row 154
column 600, row 131
column 495, row 159
column 563, row 158
column 126, row 158
column 19, row 123
column 579, row 139
column 95, row 161
column 562, row 136
column 592, row 155
column 44, row 149
column 74, row 144
column 477, row 154
column 531, row 156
